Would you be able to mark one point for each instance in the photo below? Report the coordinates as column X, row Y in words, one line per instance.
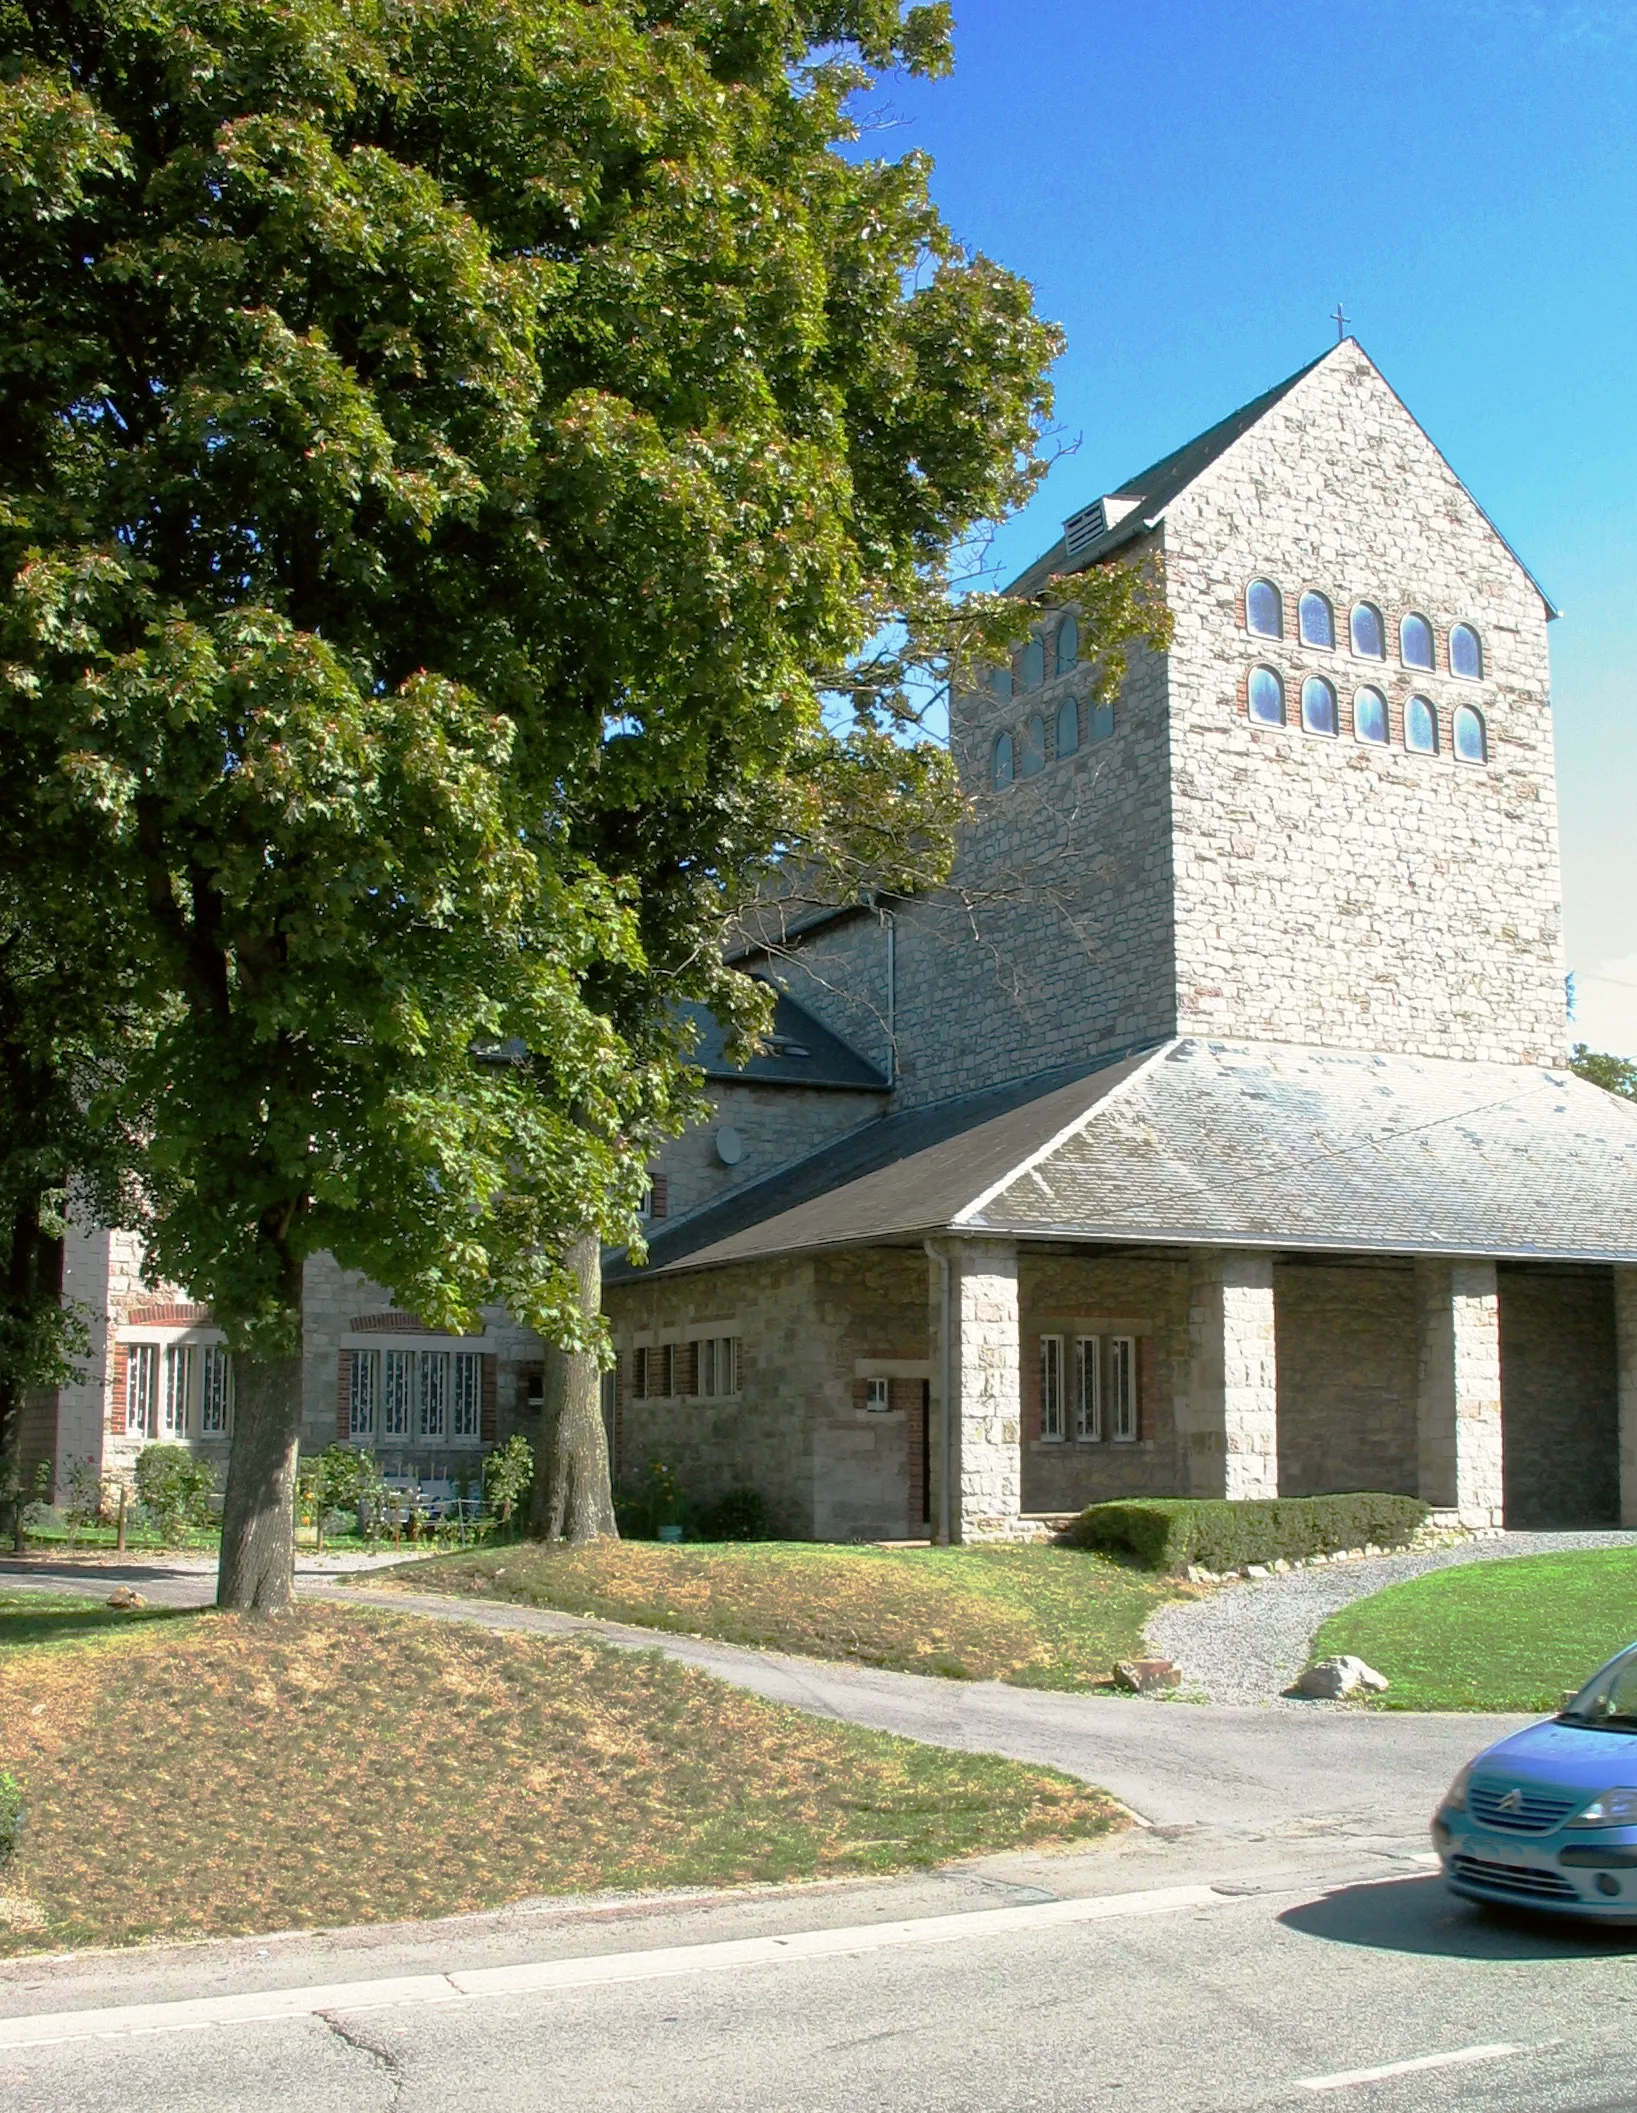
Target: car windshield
column 1608, row 1701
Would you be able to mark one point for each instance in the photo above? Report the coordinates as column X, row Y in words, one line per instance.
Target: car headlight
column 1615, row 1808
column 1455, row 1795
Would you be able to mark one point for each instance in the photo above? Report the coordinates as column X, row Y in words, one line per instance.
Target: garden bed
column 201, row 1774
column 1033, row 1616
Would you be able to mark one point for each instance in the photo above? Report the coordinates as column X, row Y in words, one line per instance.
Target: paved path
column 1246, row 1642
column 1240, row 1771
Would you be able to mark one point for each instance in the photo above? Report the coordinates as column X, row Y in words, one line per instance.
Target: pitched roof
column 1155, row 487
column 1217, row 1144
column 800, row 1051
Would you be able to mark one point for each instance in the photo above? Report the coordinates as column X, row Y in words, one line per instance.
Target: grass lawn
column 1037, row 1617
column 1507, row 1635
column 201, row 1774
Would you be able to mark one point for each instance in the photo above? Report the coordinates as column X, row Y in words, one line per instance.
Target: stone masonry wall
column 1559, row 1398
column 775, row 1124
column 1347, row 1379
column 1329, row 891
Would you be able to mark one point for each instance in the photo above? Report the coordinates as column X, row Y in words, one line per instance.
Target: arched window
column 1466, row 654
column 1068, row 642
column 1032, row 666
column 1318, row 621
column 1002, row 769
column 1264, row 609
column 1100, row 722
column 1370, row 717
column 1266, row 697
column 1000, row 681
column 1033, row 757
column 1421, row 727
column 1318, row 706
column 1415, row 642
column 1068, row 726
column 1467, row 735
column 1369, row 639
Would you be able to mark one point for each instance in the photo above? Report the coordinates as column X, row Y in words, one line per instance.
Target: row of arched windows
column 1321, row 714
column 1022, row 755
column 1031, row 661
column 1366, row 632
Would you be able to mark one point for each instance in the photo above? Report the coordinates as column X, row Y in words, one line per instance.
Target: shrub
column 11, row 1814
column 1165, row 1533
column 739, row 1514
column 651, row 1500
column 508, row 1475
column 174, row 1488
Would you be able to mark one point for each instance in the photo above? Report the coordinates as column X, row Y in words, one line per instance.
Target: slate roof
column 1219, row 1144
column 801, row 1052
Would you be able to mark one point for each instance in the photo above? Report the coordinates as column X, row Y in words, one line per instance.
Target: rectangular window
column 397, row 1393
column 662, row 1369
column 1051, row 1386
column 142, row 1389
column 718, row 1366
column 877, row 1396
column 1122, row 1387
column 1088, row 1388
column 178, row 1391
column 639, row 1375
column 363, row 1397
column 468, row 1393
column 216, row 1392
column 434, row 1394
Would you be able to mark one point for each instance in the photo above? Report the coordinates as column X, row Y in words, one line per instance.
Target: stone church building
column 1210, row 1133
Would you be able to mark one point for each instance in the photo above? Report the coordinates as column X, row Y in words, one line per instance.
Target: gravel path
column 1246, row 1642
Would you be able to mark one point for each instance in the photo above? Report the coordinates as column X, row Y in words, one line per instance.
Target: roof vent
column 1081, row 530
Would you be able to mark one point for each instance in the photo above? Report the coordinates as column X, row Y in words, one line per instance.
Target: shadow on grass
column 1420, row 1915
column 28, row 1618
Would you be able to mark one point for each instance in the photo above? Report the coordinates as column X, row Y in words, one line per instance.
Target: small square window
column 877, row 1396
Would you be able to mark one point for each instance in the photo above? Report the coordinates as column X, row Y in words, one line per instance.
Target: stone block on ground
column 126, row 1596
column 1333, row 1678
column 1146, row 1676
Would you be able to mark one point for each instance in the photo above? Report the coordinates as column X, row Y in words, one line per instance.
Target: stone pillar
column 1233, row 1395
column 1458, row 1393
column 985, row 1370
column 1625, row 1341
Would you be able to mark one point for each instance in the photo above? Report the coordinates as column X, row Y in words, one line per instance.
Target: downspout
column 942, row 1261
column 890, row 926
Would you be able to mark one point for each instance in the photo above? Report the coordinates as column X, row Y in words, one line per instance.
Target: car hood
column 1569, row 1754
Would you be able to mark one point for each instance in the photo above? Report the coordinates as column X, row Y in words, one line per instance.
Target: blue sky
column 1192, row 184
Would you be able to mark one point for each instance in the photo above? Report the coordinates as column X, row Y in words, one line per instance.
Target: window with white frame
column 1122, row 1388
column 398, row 1376
column 142, row 1389
column 215, row 1391
column 363, row 1395
column 178, row 1393
column 1051, row 1386
column 718, row 1367
column 466, row 1404
column 434, row 1423
column 877, row 1396
column 1088, row 1389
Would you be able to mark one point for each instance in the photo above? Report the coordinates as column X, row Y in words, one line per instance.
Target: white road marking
column 543, row 1976
column 1496, row 2051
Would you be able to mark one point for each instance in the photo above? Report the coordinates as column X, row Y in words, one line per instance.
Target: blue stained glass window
column 1000, row 681
column 1421, row 727
column 1100, row 722
column 1369, row 639
column 1264, row 609
column 1466, row 655
column 1318, row 706
column 1068, row 643
column 1033, row 666
column 1034, row 747
column 1002, row 771
column 1267, row 697
column 1318, row 621
column 1415, row 642
column 1467, row 733
column 1068, row 726
column 1370, row 717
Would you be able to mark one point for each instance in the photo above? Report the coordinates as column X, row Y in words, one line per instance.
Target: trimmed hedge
column 1165, row 1533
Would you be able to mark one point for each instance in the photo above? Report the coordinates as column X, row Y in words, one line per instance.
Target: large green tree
column 455, row 448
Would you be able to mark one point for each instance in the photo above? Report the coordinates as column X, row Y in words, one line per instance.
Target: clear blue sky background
column 1191, row 185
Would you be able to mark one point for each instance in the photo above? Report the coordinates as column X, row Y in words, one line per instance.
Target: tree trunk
column 22, row 1289
column 257, row 1570
column 571, row 1496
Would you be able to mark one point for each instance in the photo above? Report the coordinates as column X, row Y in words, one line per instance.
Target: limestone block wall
column 1346, row 1341
column 1559, row 1398
column 1327, row 890
column 1074, row 1295
column 775, row 1124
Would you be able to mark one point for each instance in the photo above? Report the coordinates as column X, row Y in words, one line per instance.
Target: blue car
column 1548, row 1818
